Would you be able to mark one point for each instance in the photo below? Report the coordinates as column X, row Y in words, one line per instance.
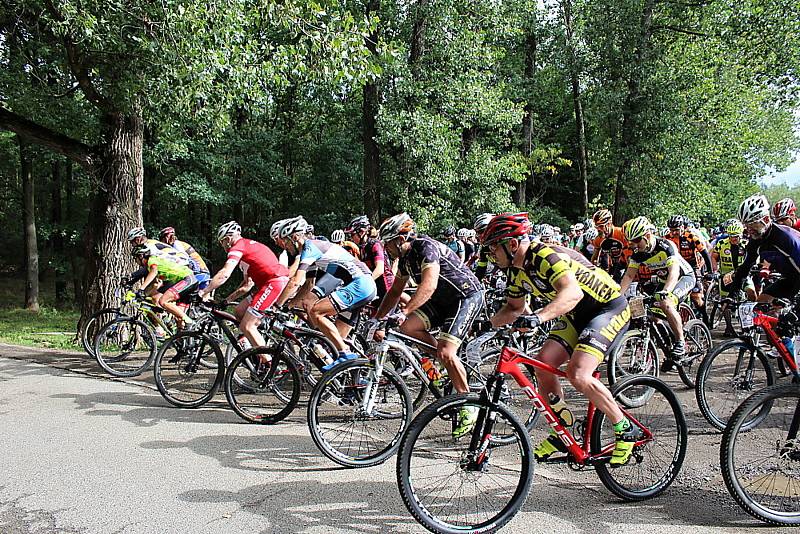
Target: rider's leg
column 580, row 374
column 673, row 318
column 555, row 354
column 318, row 314
column 249, row 327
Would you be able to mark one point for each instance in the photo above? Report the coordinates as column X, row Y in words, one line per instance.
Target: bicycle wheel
column 698, row 343
column 184, row 372
column 415, row 380
column 655, row 463
column 264, row 394
column 761, row 468
column 631, row 358
column 729, row 374
column 125, row 347
column 686, row 312
column 450, row 487
column 308, row 355
column 95, row 323
column 356, row 418
column 512, row 395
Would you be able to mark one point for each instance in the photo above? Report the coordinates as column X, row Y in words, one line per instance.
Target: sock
column 622, row 426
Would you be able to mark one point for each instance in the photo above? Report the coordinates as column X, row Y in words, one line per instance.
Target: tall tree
column 29, row 227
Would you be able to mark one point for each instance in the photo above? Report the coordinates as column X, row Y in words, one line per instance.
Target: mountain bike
column 476, row 484
column 739, row 367
column 761, row 463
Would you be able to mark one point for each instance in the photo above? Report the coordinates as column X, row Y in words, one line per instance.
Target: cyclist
column 448, row 297
column 775, row 244
column 547, row 233
column 176, row 280
column 199, row 267
column 692, row 247
column 338, row 238
column 611, row 248
column 372, row 253
column 592, row 317
column 728, row 255
column 674, row 277
column 454, row 244
column 344, row 284
column 482, row 263
column 138, row 236
column 783, row 212
column 263, row 277
column 469, row 249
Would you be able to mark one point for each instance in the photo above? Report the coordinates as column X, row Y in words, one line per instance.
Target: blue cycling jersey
column 332, row 259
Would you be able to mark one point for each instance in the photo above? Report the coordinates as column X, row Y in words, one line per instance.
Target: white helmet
column 462, row 233
column 275, row 229
column 547, row 231
column 753, row 208
column 135, row 232
column 337, row 236
column 579, row 227
column 292, row 226
column 482, row 221
column 229, row 228
column 400, row 224
column 591, row 234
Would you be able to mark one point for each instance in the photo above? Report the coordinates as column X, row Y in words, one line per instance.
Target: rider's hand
column 481, row 327
column 140, row 294
column 397, row 318
column 711, row 276
column 728, row 278
column 527, row 321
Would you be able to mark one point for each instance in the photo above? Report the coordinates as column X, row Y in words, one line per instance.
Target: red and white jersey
column 257, row 261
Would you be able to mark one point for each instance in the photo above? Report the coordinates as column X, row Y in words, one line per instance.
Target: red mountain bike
column 478, row 484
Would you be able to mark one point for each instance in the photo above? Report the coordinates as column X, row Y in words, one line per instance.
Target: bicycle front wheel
column 262, row 385
column 189, row 369
column 698, row 343
column 727, row 376
column 451, row 487
column 125, row 347
column 357, row 417
column 761, row 467
column 95, row 323
column 656, row 461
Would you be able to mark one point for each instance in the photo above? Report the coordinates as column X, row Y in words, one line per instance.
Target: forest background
column 117, row 113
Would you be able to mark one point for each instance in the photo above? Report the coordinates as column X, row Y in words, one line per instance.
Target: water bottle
column 430, row 369
column 563, row 413
column 322, row 354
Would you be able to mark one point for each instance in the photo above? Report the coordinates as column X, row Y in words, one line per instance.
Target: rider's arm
column 151, row 275
column 295, row 281
column 706, row 258
column 673, row 275
column 221, row 277
column 137, row 275
column 392, row 297
column 512, row 309
column 715, row 261
column 568, row 294
column 743, row 271
column 427, row 285
column 627, row 279
column 246, row 285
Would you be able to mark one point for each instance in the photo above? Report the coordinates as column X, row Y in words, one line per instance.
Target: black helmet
column 676, row 221
column 141, row 250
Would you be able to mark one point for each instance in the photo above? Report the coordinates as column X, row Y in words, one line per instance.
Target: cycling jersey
column 456, row 246
column 352, row 248
column 186, row 248
column 330, row 258
column 780, row 247
column 456, row 281
column 168, row 271
column 660, row 259
column 157, row 248
column 257, row 261
column 612, row 243
column 730, row 256
column 544, row 264
column 690, row 245
column 482, row 264
column 372, row 252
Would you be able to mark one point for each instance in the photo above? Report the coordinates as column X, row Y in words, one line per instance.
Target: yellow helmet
column 637, row 228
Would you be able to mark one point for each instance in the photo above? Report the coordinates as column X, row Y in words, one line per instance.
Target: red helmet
column 783, row 208
column 601, row 217
column 506, row 226
column 169, row 230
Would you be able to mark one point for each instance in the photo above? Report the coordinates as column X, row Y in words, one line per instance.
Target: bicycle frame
column 767, row 323
column 508, row 365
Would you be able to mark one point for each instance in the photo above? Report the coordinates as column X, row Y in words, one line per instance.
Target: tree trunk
column 519, row 194
column 29, row 228
column 630, row 110
column 369, row 107
column 116, row 208
column 580, row 129
column 418, row 36
column 57, row 221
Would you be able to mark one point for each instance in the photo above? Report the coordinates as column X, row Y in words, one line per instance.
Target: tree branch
column 78, row 152
column 681, row 30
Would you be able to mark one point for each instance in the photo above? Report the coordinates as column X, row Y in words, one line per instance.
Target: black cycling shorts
column 454, row 318
column 595, row 331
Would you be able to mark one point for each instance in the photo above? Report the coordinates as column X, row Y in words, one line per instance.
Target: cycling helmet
column 506, row 226
column 602, row 217
column 337, row 236
column 309, row 229
column 591, row 234
column 580, row 227
column 138, row 231
column 462, row 233
column 399, row 225
column 141, row 251
column 359, row 223
column 636, row 228
column 449, row 231
column 293, row 226
column 275, row 229
column 753, row 208
column 229, row 228
column 169, row 230
column 481, row 221
column 734, row 228
column 676, row 221
column 547, row 231
column 783, row 208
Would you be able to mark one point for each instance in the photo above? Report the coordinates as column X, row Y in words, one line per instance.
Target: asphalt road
column 83, row 453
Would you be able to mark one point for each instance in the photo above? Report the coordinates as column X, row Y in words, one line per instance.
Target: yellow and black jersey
column 546, row 263
column 660, row 259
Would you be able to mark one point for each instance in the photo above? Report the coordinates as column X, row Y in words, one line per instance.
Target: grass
column 50, row 328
